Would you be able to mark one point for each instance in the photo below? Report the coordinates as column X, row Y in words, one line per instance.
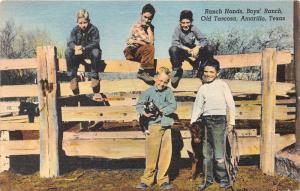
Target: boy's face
column 161, row 81
column 82, row 23
column 210, row 74
column 185, row 24
column 146, row 18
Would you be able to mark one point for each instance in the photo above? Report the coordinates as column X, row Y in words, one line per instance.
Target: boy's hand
column 78, row 50
column 230, row 128
column 195, row 51
column 130, row 41
column 147, row 132
column 148, row 114
column 150, row 35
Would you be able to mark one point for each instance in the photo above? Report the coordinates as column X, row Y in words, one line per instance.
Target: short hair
column 186, row 14
column 148, row 8
column 212, row 62
column 163, row 70
column 83, row 13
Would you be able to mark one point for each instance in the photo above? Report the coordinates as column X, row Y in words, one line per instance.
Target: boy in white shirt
column 212, row 100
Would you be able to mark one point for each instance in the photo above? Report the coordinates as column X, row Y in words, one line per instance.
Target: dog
column 197, row 133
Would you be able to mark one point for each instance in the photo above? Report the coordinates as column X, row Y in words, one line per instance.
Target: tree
column 16, row 43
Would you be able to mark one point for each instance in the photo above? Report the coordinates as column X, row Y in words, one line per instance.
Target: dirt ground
column 118, row 175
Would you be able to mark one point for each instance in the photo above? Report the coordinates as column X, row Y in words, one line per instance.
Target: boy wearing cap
column 184, row 45
column 140, row 44
column 83, row 43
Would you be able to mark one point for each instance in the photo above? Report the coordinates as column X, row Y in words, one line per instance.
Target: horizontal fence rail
column 226, row 61
column 238, row 87
column 124, row 145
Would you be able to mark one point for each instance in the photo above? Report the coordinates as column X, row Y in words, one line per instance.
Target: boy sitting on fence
column 140, row 44
column 184, row 46
column 83, row 43
column 158, row 139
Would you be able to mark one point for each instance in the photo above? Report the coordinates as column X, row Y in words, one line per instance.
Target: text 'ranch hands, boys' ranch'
column 243, row 15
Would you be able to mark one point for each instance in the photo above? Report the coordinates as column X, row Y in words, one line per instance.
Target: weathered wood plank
column 67, row 135
column 18, row 91
column 132, row 99
column 227, row 61
column 134, row 148
column 18, row 118
column 184, row 109
column 267, row 130
column 16, row 64
column 49, row 165
column 4, row 157
column 127, row 148
column 238, row 87
column 9, row 107
column 20, row 147
column 131, row 85
column 14, row 126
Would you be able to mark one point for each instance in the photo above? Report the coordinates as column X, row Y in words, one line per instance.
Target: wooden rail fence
column 121, row 96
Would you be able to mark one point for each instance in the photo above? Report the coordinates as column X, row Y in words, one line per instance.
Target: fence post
column 4, row 158
column 47, row 85
column 267, row 131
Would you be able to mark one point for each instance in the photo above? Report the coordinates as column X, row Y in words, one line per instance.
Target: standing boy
column 140, row 44
column 158, row 140
column 212, row 100
column 83, row 43
column 184, row 46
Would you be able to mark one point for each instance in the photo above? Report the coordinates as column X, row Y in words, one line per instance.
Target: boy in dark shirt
column 83, row 43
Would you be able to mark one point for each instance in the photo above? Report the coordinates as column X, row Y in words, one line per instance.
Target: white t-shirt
column 213, row 99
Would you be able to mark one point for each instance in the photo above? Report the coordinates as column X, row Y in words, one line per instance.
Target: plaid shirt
column 138, row 32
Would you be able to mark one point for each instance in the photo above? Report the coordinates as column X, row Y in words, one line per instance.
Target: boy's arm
column 176, row 40
column 72, row 40
column 230, row 104
column 95, row 40
column 140, row 104
column 171, row 104
column 197, row 107
column 150, row 32
column 200, row 37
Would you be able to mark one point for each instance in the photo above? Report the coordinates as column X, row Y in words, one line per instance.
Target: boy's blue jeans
column 73, row 61
column 214, row 148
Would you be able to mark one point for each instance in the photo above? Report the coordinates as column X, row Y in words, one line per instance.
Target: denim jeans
column 214, row 148
column 178, row 55
column 73, row 61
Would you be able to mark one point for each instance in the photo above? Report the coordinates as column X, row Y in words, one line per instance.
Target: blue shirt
column 164, row 100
